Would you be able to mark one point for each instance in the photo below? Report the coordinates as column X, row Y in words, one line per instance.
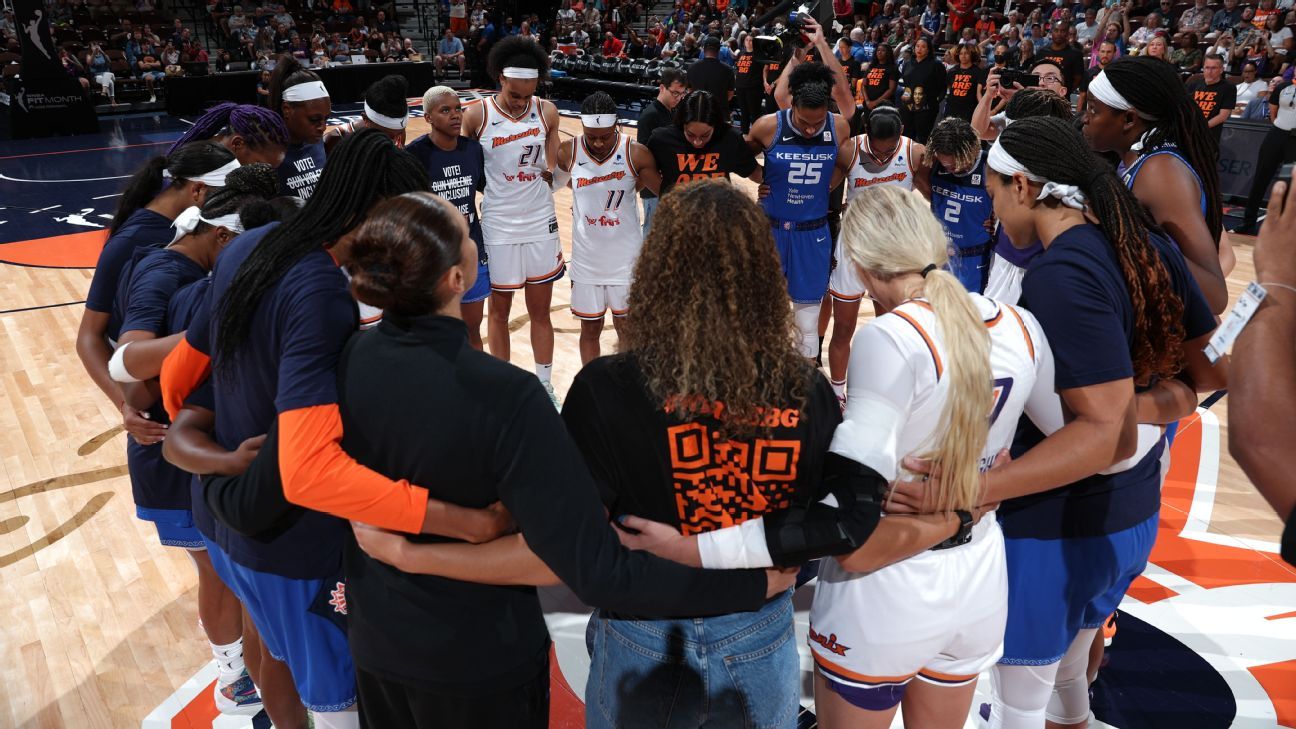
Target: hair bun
column 375, row 274
column 258, row 179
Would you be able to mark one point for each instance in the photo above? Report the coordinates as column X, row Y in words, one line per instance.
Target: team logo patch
column 338, row 598
column 829, row 643
column 976, row 179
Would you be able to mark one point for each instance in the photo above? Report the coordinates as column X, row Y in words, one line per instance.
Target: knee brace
column 806, row 319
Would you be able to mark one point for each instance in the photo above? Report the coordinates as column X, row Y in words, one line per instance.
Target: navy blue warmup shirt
column 1076, row 290
column 289, row 361
column 143, row 228
column 301, row 169
column 151, row 282
column 456, row 176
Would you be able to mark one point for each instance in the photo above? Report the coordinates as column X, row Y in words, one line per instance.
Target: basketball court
column 102, row 630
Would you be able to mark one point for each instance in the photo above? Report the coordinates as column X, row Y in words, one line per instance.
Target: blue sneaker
column 239, row 697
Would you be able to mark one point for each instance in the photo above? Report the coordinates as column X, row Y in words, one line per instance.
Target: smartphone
column 1010, row 76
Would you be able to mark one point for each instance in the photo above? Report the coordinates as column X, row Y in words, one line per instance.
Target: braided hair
column 258, row 126
column 247, row 191
column 288, row 72
column 1037, row 102
column 811, row 85
column 1053, row 149
column 699, row 106
column 955, row 137
column 599, row 102
column 363, row 169
column 519, row 52
column 1154, row 88
column 189, row 161
column 387, row 96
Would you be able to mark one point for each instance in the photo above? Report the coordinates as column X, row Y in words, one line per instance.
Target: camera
column 788, row 34
column 1010, row 76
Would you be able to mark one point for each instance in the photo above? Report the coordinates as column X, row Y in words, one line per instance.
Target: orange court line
column 74, row 250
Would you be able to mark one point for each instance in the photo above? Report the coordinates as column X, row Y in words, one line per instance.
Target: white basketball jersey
column 517, row 204
column 606, row 235
column 865, row 172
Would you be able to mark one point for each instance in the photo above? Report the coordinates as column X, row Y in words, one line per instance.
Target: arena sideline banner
column 1239, row 150
column 43, row 100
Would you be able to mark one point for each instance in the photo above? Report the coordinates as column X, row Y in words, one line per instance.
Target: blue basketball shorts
column 481, row 287
column 971, row 267
column 303, row 624
column 175, row 527
column 1057, row 587
column 807, row 262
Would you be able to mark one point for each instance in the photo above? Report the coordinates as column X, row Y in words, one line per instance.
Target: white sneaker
column 553, row 396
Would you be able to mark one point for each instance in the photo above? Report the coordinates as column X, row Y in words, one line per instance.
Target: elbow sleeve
column 802, row 533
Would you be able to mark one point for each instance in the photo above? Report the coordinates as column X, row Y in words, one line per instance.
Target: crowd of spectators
column 319, row 34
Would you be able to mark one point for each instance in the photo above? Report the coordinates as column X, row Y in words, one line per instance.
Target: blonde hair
column 431, row 94
column 889, row 232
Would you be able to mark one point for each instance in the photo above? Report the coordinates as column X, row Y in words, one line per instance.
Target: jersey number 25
column 804, row 173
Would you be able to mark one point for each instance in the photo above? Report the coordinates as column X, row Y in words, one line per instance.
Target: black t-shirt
column 1067, row 59
column 713, row 76
column 679, row 161
column 925, row 82
column 1211, row 98
column 961, row 96
column 747, row 72
column 650, row 120
column 851, row 66
column 878, row 79
column 650, row 463
column 1090, row 75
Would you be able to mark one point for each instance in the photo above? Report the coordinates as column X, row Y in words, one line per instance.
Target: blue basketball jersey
column 1129, row 174
column 798, row 170
column 963, row 206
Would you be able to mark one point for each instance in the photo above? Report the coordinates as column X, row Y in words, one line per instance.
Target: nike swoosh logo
column 497, row 123
column 582, row 164
column 788, row 139
column 820, row 240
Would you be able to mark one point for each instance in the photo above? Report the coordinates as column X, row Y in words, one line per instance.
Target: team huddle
column 289, row 319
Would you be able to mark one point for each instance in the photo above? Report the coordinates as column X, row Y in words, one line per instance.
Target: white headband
column 1102, row 89
column 599, row 121
column 215, row 178
column 187, row 221
column 518, row 72
column 306, row 92
column 386, row 122
column 1004, row 163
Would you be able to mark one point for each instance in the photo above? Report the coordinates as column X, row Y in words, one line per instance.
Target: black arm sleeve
column 545, row 484
column 804, row 532
column 253, row 502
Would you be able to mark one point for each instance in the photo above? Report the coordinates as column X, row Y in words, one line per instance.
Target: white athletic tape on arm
column 599, row 121
column 1005, row 164
column 117, row 366
column 735, row 548
column 386, row 122
column 522, row 73
column 308, row 91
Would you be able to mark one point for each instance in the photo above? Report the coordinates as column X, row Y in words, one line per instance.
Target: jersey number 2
column 804, row 173
column 952, row 210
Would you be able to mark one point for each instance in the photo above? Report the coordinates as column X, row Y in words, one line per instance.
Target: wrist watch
column 964, row 533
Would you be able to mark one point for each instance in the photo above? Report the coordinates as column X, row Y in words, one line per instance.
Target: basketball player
column 806, row 151
column 252, row 133
column 456, row 168
column 1140, row 110
column 156, row 299
column 960, row 201
column 1118, row 306
column 301, row 98
column 883, row 156
column 518, row 132
column 145, row 214
column 606, row 167
column 276, row 320
column 385, row 109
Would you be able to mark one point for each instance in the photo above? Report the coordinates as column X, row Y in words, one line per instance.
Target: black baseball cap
column 711, row 42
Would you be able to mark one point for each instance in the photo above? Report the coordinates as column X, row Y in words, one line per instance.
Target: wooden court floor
column 102, row 624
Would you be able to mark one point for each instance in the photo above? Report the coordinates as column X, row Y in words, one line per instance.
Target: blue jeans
column 650, row 207
column 737, row 670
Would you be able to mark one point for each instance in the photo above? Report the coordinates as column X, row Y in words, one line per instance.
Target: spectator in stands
column 1106, row 53
column 343, row 11
column 1257, row 52
column 408, row 52
column 198, row 54
column 1215, row 96
column 565, row 20
column 450, row 52
column 932, row 21
column 886, row 17
column 150, row 68
column 671, row 48
column 1087, row 29
column 612, row 46
column 1265, row 9
column 924, row 87
column 299, row 46
column 74, row 69
column 339, row 51
column 263, row 41
column 171, row 58
column 376, row 42
column 1250, row 87
column 1151, row 27
column 688, row 50
column 387, row 26
column 1158, row 47
column 580, row 37
column 1258, row 108
column 1225, row 18
column 1245, row 30
column 223, row 61
column 358, row 34
column 479, row 18
column 1224, row 47
column 1188, row 57
column 1277, row 32
column 100, row 67
column 236, row 21
column 1196, row 19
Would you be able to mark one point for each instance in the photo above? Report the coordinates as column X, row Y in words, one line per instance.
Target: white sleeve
column 877, row 402
column 735, row 547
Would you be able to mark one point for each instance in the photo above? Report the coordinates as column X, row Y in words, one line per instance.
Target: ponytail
column 288, row 72
column 144, row 185
column 890, row 232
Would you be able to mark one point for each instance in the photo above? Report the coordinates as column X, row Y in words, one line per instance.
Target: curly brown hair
column 710, row 320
